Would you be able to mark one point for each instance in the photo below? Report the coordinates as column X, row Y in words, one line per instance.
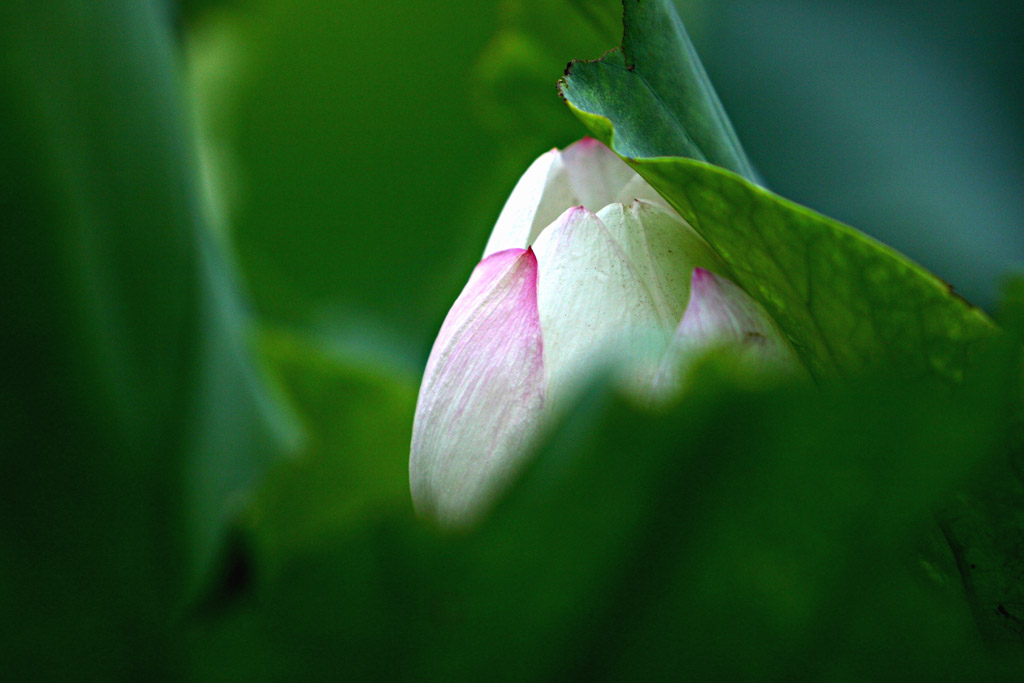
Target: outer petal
column 594, row 308
column 720, row 314
column 541, row 194
column 482, row 392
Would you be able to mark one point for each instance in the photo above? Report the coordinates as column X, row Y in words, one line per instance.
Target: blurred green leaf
column 984, row 526
column 740, row 535
column 355, row 606
column 115, row 307
column 1011, row 310
column 192, row 10
column 356, row 413
column 356, row 184
column 737, row 537
column 513, row 80
column 236, row 429
column 984, row 522
column 844, row 300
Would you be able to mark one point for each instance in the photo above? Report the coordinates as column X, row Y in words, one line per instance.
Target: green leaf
column 1011, row 310
column 845, row 301
column 984, row 525
column 662, row 100
column 984, row 522
column 237, row 429
column 740, row 535
column 338, row 171
column 120, row 390
column 356, row 414
column 736, row 537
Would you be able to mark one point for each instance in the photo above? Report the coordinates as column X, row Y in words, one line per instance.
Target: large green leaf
column 131, row 416
column 984, row 525
column 741, row 535
column 846, row 301
column 984, row 522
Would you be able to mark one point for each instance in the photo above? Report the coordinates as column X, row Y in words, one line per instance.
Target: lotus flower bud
column 587, row 266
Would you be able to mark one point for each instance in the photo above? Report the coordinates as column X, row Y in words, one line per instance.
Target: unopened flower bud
column 587, row 267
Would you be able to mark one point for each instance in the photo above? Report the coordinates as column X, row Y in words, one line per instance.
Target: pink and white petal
column 594, row 310
column 541, row 194
column 663, row 250
column 721, row 315
column 596, row 174
column 482, row 395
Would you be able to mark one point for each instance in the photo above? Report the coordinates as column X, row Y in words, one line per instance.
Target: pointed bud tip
column 575, row 213
column 702, row 280
column 525, row 258
column 585, row 144
column 503, row 255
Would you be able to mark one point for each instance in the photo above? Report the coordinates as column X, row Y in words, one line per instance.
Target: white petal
column 663, row 250
column 482, row 392
column 596, row 174
column 541, row 194
column 721, row 315
column 594, row 309
column 637, row 188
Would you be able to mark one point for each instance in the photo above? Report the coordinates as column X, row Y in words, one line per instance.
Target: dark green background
column 230, row 232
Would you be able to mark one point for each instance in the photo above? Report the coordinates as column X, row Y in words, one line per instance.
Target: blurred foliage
column 346, row 162
column 757, row 535
column 356, row 413
column 121, row 460
column 984, row 522
column 514, row 78
column 1011, row 311
column 984, row 527
column 339, row 138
